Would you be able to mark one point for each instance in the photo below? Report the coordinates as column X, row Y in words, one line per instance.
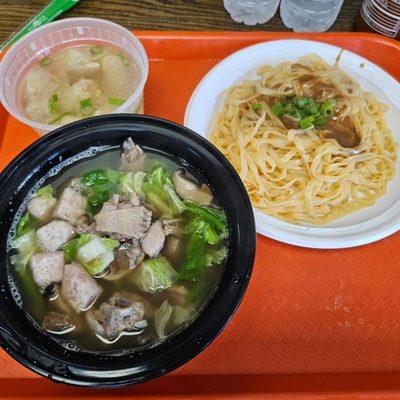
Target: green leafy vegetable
column 26, row 246
column 159, row 191
column 132, row 182
column 214, row 217
column 31, row 293
column 207, row 228
column 256, row 106
column 25, row 224
column 98, row 177
column 45, row 61
column 116, row 101
column 45, row 192
column 92, row 252
column 161, row 318
column 100, row 184
column 155, row 275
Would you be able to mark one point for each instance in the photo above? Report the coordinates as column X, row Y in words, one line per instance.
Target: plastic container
column 310, row 15
column 381, row 17
column 43, row 354
column 61, row 34
column 251, row 12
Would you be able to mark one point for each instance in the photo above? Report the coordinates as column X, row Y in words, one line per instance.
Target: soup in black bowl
column 130, row 242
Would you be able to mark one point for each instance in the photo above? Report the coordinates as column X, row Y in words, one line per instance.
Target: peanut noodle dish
column 309, row 144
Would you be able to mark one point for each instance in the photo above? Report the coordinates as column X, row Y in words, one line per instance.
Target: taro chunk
column 71, row 206
column 54, row 235
column 47, row 268
column 79, row 288
column 41, row 207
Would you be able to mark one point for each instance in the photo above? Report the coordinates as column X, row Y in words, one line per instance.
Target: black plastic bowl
column 38, row 351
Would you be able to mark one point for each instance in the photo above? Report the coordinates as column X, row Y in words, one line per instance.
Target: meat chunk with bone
column 130, row 222
column 57, row 323
column 127, row 258
column 79, row 288
column 54, row 235
column 117, row 315
column 71, row 206
column 47, row 268
column 132, row 157
column 153, row 241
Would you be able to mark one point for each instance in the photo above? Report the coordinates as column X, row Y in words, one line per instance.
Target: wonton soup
column 78, row 82
column 119, row 251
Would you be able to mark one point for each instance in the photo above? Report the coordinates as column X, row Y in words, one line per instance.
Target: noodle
column 311, row 175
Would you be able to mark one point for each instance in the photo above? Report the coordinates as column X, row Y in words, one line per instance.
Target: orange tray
column 313, row 323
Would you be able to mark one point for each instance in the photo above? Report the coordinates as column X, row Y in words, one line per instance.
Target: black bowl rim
column 78, row 129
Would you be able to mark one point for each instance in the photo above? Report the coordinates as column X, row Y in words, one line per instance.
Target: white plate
column 365, row 226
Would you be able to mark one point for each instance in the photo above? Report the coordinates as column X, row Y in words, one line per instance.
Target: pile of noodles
column 300, row 176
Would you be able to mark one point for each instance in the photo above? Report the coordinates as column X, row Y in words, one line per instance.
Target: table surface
column 157, row 15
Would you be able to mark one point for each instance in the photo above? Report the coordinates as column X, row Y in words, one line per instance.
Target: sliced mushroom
column 188, row 190
column 172, row 226
column 177, row 294
column 171, row 247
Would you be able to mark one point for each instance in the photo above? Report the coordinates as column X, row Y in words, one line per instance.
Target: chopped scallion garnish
column 256, row 106
column 86, row 103
column 53, row 105
column 96, row 50
column 124, row 59
column 59, row 118
column 45, row 61
column 116, row 101
column 306, row 110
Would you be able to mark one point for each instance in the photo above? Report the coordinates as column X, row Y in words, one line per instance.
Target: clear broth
column 83, row 337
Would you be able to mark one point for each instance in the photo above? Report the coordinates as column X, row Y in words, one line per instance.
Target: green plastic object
column 48, row 14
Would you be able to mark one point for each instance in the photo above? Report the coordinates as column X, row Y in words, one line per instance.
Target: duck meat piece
column 47, row 268
column 54, row 235
column 71, row 206
column 79, row 288
column 127, row 258
column 117, row 315
column 153, row 241
column 135, row 256
column 131, row 222
column 132, row 157
column 57, row 323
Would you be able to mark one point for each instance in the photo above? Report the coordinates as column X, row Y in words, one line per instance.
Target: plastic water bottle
column 310, row 15
column 251, row 12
